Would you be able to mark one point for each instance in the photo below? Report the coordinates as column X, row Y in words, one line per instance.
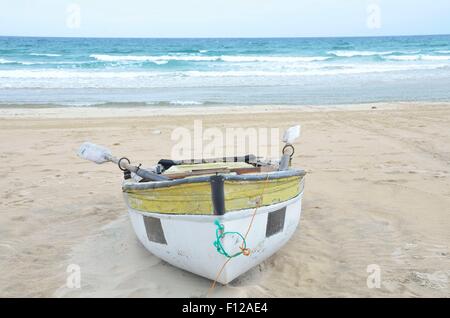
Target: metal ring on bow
column 120, row 160
column 287, row 146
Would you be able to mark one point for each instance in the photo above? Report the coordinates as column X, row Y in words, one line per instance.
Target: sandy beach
column 377, row 192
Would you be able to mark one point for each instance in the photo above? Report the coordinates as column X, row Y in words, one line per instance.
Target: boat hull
column 186, row 241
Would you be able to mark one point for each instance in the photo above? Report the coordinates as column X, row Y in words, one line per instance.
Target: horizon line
column 223, row 37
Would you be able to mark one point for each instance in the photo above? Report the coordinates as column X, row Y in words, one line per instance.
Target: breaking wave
column 163, row 59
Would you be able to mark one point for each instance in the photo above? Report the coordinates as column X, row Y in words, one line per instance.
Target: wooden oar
column 200, row 172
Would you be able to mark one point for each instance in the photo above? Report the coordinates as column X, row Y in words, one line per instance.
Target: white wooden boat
column 197, row 215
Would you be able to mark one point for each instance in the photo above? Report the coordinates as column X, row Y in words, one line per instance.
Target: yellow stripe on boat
column 188, row 198
column 246, row 194
column 195, row 198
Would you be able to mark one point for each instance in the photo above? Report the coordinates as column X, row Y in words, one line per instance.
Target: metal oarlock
column 286, row 147
column 289, row 137
column 120, row 161
column 286, row 158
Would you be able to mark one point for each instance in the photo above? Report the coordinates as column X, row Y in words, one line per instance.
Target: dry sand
column 377, row 192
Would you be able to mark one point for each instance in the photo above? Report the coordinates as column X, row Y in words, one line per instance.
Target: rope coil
column 220, row 234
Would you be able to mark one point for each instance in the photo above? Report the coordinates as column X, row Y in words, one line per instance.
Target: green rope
column 220, row 234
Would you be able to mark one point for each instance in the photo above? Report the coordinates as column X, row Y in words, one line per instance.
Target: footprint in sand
column 6, row 249
column 435, row 280
column 20, row 218
column 401, row 253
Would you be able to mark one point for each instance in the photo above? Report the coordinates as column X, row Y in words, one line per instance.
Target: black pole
column 218, row 194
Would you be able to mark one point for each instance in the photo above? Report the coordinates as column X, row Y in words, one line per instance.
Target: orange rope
column 217, row 277
column 245, row 251
column 258, row 204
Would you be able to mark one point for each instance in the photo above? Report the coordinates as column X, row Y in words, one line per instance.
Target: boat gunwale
column 228, row 216
column 274, row 175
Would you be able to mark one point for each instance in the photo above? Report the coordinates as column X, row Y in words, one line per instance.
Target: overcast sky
column 223, row 18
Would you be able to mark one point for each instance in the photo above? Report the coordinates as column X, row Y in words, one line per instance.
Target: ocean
column 239, row 71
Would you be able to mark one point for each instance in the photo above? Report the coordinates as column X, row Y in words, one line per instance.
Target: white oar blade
column 93, row 152
column 291, row 134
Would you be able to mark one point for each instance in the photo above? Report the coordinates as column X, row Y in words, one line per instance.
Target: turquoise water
column 78, row 71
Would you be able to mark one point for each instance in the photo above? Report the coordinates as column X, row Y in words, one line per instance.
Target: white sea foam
column 82, row 104
column 156, row 59
column 55, row 74
column 402, row 57
column 281, row 59
column 45, row 54
column 63, row 78
column 418, row 57
column 342, row 70
column 4, row 61
column 435, row 58
column 342, row 53
column 185, row 102
column 225, row 58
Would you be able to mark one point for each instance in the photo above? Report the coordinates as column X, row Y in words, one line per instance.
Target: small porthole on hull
column 155, row 232
column 275, row 222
